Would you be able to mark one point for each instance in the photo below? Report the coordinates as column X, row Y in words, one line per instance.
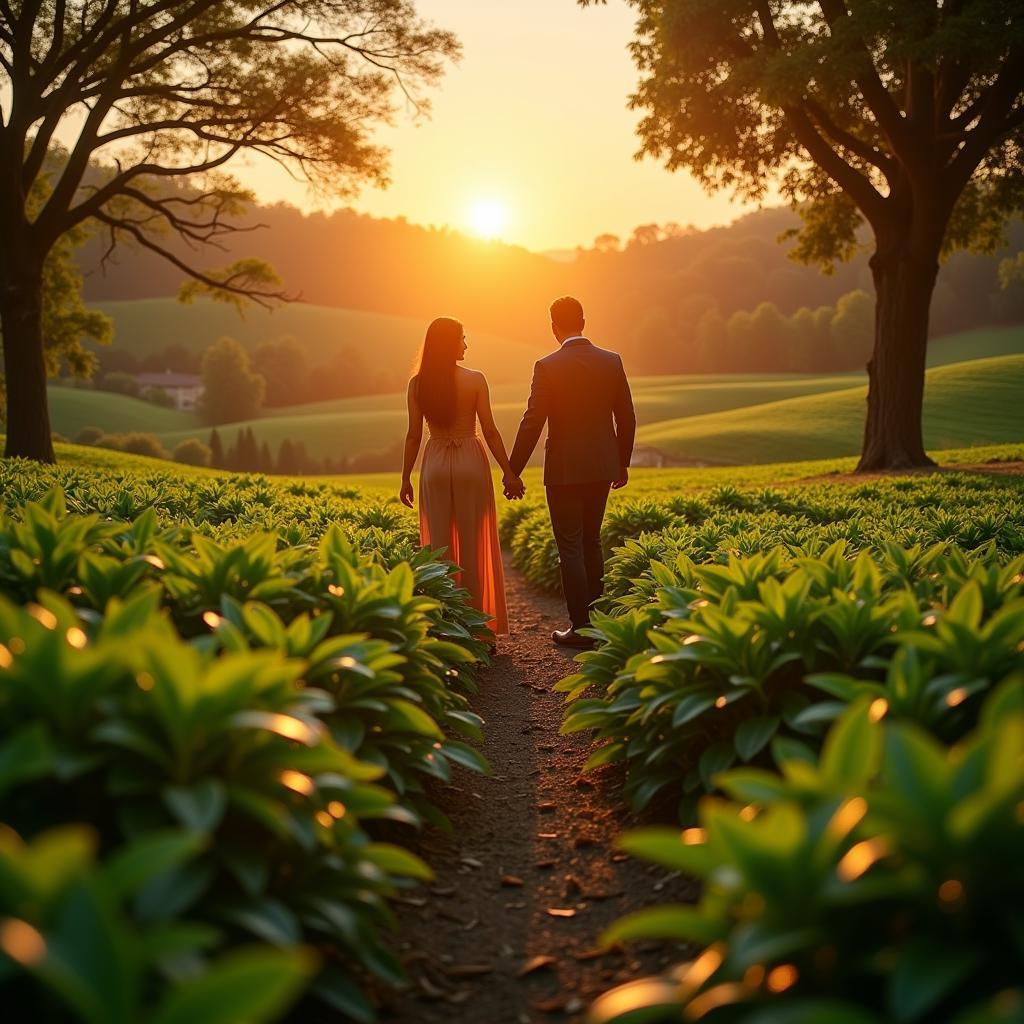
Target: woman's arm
column 413, row 437
column 511, row 480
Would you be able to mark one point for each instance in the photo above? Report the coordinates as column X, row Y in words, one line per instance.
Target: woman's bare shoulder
column 477, row 377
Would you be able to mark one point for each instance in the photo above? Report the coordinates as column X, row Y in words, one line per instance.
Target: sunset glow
column 488, row 218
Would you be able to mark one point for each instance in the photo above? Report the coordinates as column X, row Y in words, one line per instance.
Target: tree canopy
column 907, row 116
column 172, row 91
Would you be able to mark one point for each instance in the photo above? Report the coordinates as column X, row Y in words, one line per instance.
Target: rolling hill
column 375, row 422
column 704, row 418
column 143, row 326
column 977, row 402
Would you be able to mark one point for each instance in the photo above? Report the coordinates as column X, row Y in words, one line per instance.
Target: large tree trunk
column 21, row 316
column 904, row 280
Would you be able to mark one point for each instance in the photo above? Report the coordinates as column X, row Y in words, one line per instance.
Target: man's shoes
column 570, row 638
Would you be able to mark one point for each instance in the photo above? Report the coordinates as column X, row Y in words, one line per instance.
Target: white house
column 185, row 388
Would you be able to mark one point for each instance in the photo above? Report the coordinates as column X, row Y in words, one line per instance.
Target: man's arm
column 625, row 420
column 533, row 422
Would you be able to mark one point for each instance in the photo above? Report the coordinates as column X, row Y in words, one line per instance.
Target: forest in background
column 665, row 297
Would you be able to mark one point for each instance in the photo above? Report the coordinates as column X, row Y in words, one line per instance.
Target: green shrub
column 727, row 660
column 143, row 444
column 88, row 435
column 192, row 452
column 186, row 670
column 883, row 883
column 70, row 939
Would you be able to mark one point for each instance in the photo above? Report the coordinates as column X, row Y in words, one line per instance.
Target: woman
column 456, row 491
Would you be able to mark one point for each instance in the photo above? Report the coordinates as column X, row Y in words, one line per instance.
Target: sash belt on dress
column 454, row 441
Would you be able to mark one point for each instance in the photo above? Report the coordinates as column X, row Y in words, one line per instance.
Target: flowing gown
column 457, row 509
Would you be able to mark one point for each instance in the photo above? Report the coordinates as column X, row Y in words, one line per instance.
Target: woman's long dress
column 457, row 510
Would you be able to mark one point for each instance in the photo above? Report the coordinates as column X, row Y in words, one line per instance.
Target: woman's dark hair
column 435, row 370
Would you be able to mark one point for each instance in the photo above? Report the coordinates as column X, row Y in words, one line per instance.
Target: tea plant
column 883, row 883
column 724, row 661
column 269, row 686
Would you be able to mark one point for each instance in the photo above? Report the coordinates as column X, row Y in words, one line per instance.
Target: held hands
column 513, row 486
column 405, row 495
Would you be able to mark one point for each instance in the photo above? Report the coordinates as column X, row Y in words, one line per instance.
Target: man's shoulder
column 566, row 354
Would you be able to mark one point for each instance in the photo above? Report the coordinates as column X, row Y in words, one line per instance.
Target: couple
column 581, row 392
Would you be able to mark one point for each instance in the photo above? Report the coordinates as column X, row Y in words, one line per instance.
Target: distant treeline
column 654, row 296
column 243, row 454
column 290, row 378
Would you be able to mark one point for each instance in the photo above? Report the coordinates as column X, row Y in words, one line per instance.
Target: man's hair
column 567, row 313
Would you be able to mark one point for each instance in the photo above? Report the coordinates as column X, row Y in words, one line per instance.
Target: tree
column 852, row 325
column 174, row 90
column 192, row 452
column 66, row 321
column 908, row 116
column 231, row 391
column 216, row 450
column 119, row 383
column 286, row 465
column 283, row 365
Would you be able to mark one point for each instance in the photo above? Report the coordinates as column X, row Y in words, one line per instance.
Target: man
column 582, row 393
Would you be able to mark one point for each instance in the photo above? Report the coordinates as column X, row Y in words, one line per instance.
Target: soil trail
column 480, row 944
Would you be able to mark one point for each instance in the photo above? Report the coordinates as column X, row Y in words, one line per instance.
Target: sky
column 530, row 139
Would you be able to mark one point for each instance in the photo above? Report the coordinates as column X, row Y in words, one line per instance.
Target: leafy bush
column 53, row 892
column 883, row 883
column 271, row 699
column 88, row 435
column 192, row 452
column 723, row 662
column 142, row 444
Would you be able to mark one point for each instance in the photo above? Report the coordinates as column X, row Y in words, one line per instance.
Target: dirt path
column 481, row 944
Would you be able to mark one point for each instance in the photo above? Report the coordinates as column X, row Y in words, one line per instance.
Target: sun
column 488, row 217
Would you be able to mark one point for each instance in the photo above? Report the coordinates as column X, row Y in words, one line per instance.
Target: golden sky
column 530, row 139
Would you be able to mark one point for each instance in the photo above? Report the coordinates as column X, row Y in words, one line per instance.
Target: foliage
column 192, row 452
column 883, row 882
column 231, row 391
column 53, row 892
column 67, row 321
column 836, row 100
column 220, row 657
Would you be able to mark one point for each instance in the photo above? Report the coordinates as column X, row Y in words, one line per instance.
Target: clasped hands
column 513, row 486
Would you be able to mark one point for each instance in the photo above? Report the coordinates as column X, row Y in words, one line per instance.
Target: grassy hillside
column 71, row 409
column 374, row 422
column 982, row 343
column 718, row 418
column 643, row 482
column 147, row 325
column 978, row 402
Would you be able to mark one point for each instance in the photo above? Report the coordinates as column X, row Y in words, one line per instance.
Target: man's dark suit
column 582, row 393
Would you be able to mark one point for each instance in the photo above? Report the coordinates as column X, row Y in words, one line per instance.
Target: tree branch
column 880, row 102
column 858, row 187
column 263, row 298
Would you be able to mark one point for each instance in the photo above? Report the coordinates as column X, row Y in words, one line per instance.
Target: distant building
column 646, row 456
column 185, row 388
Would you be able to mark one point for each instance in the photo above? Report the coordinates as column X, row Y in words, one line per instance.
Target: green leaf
column 339, row 992
column 929, row 970
column 753, row 735
column 852, row 748
column 397, row 861
column 645, row 1001
column 466, row 756
column 252, row 985
column 680, row 922
column 199, row 807
column 665, row 846
column 715, row 759
column 146, row 858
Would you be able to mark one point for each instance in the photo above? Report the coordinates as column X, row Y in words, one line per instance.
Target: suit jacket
column 579, row 390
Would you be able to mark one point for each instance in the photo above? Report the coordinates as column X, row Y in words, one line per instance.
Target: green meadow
column 971, row 398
